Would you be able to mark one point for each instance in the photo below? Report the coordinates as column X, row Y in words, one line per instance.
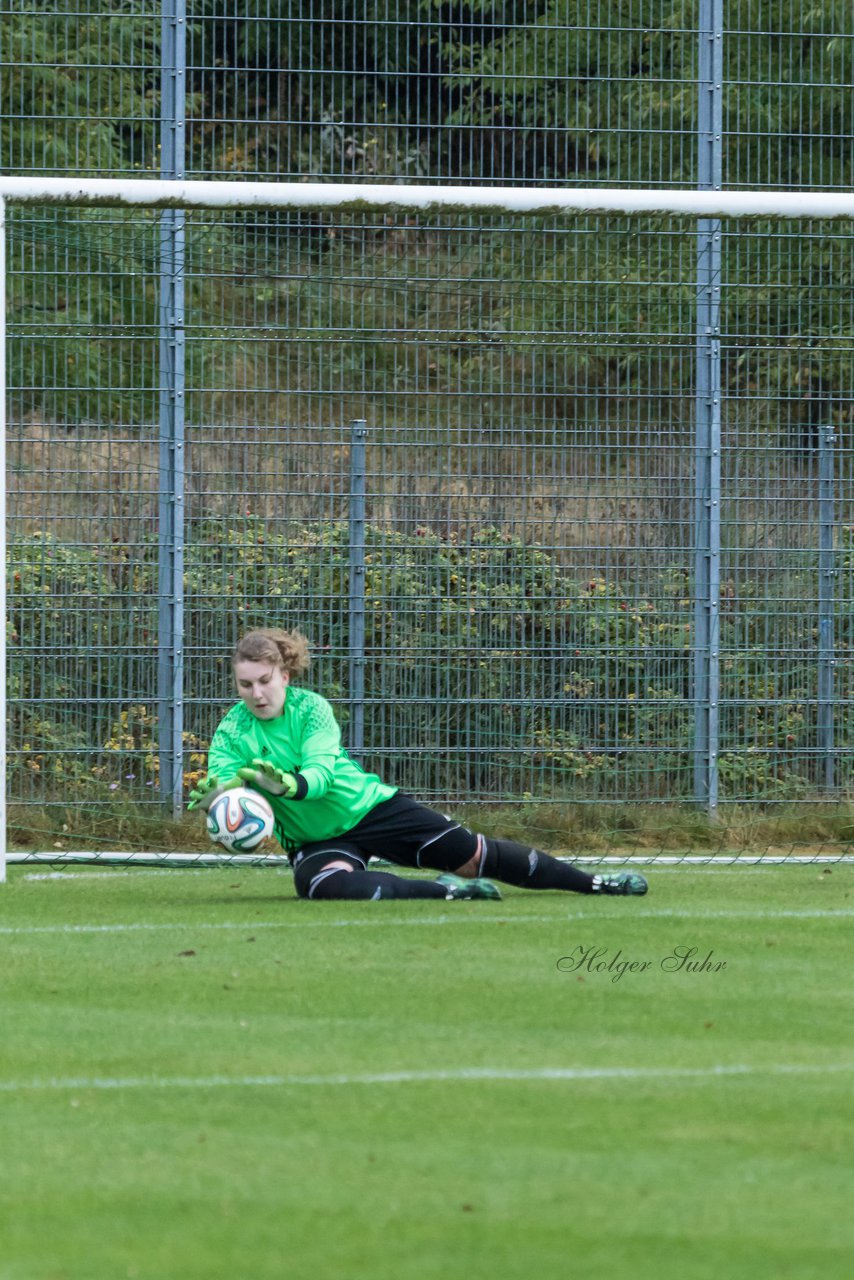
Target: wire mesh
column 528, row 385
column 530, row 521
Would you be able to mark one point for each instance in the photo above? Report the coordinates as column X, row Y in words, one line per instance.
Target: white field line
column 234, row 862
column 454, row 1076
column 96, row 875
column 712, row 869
column 381, row 921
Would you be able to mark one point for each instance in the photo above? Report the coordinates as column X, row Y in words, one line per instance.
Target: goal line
column 189, row 861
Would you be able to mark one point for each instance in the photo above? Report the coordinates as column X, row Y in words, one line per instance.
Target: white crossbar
column 358, row 197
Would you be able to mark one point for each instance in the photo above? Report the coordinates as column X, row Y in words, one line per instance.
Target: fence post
column 826, row 606
column 358, row 460
column 707, row 399
column 170, row 590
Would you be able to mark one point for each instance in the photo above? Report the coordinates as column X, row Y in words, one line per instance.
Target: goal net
column 557, row 481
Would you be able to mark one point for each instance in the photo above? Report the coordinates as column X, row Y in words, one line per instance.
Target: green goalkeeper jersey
column 305, row 740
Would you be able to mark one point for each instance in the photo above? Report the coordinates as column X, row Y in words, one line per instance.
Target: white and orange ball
column 240, row 820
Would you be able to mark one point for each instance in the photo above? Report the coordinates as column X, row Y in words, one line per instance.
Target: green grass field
column 202, row 1077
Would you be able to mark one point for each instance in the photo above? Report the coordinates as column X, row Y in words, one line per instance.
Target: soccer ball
column 240, row 819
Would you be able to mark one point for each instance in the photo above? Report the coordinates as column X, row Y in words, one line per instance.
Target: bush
column 490, row 671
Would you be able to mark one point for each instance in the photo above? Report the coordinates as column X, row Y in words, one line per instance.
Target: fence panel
column 528, row 623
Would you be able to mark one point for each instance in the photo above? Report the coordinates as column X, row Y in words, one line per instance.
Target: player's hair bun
column 287, row 649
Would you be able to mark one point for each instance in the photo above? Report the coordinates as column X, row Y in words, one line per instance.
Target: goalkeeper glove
column 209, row 789
column 266, row 777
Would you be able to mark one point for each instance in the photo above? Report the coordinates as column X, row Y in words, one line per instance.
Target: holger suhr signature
column 681, row 959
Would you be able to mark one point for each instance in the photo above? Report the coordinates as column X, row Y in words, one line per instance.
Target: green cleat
column 458, row 887
column 621, row 882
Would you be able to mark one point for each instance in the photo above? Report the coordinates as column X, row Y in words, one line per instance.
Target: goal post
column 3, row 557
column 704, row 210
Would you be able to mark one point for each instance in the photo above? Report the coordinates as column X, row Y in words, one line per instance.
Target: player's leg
column 327, row 873
column 524, row 867
column 532, row 869
column 336, row 870
column 404, row 831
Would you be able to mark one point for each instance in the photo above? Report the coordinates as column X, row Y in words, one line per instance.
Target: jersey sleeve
column 321, row 747
column 226, row 753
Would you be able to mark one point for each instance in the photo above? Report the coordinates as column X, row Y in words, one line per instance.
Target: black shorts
column 399, row 830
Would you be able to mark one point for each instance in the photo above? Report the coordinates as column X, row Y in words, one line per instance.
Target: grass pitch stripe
column 458, row 1076
column 595, row 913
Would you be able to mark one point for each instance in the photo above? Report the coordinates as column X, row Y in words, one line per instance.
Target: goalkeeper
column 332, row 817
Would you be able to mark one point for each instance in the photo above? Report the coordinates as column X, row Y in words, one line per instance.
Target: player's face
column 262, row 686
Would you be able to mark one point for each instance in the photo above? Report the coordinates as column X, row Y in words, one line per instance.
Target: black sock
column 530, row 869
column 375, row 884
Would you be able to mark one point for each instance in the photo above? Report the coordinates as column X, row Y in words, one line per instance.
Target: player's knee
column 308, row 876
column 472, row 869
column 451, row 850
column 469, row 869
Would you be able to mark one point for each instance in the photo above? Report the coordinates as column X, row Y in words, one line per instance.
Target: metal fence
column 564, row 504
